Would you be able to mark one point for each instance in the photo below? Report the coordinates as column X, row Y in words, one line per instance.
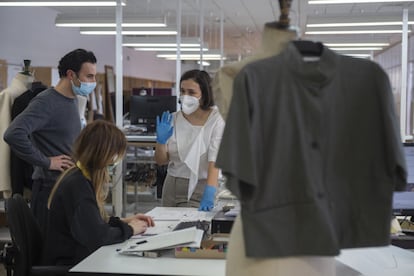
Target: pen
column 141, row 242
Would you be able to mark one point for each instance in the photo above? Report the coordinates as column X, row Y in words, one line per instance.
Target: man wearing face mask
column 188, row 141
column 43, row 134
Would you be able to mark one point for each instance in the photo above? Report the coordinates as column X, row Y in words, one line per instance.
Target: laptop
column 403, row 202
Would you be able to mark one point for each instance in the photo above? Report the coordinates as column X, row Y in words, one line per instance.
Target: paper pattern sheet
column 185, row 237
column 180, row 214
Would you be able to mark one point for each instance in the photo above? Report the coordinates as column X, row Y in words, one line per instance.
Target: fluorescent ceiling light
column 166, row 49
column 355, row 48
column 161, row 45
column 204, row 63
column 147, row 42
column 110, row 25
column 128, row 31
column 353, row 1
column 194, row 58
column 356, row 44
column 357, row 24
column 358, row 55
column 190, row 56
column 355, row 32
column 106, row 21
column 101, row 3
column 362, row 21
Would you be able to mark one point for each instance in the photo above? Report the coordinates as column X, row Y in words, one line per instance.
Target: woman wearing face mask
column 78, row 223
column 188, row 141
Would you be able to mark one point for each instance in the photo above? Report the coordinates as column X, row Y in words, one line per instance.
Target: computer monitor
column 403, row 202
column 125, row 104
column 144, row 109
column 409, row 159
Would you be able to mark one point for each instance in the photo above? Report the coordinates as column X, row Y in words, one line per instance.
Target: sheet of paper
column 161, row 226
column 233, row 212
column 181, row 214
column 190, row 236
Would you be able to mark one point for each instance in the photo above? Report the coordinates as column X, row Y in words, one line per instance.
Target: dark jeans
column 40, row 196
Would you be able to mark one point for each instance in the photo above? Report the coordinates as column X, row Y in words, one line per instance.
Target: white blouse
column 191, row 147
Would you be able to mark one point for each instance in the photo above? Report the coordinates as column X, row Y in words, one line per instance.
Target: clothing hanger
column 309, row 48
column 36, row 84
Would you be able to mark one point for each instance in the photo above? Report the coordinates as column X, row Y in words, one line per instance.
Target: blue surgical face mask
column 84, row 89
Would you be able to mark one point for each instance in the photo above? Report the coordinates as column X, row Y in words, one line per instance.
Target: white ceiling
column 244, row 19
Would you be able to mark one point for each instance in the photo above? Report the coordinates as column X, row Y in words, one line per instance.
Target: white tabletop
column 107, row 260
column 374, row 261
column 381, row 261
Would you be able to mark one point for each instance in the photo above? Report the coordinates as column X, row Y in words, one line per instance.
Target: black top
column 75, row 227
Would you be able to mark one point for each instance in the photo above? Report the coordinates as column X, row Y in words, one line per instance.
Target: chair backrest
column 26, row 235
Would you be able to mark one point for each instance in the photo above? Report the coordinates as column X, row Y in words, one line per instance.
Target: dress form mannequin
column 238, row 264
column 275, row 38
column 21, row 83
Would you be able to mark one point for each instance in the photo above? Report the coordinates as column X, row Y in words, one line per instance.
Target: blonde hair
column 95, row 148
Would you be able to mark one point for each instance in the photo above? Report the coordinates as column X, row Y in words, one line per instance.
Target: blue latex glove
column 207, row 201
column 164, row 127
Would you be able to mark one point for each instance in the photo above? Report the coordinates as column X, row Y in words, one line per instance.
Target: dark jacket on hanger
column 313, row 152
column 21, row 171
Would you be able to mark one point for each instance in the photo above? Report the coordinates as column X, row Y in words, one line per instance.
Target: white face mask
column 189, row 104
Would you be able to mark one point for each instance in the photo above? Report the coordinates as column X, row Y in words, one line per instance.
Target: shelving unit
column 139, row 174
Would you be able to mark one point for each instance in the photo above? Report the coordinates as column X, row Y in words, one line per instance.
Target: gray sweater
column 313, row 151
column 47, row 127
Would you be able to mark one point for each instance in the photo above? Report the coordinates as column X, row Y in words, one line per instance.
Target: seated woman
column 78, row 223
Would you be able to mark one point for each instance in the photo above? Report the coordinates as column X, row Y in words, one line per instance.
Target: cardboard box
column 213, row 248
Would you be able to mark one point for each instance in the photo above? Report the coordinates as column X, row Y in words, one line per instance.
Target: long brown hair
column 99, row 144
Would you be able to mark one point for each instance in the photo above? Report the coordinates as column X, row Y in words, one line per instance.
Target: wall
column 30, row 33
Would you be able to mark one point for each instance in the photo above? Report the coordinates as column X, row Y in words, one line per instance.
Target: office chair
column 27, row 242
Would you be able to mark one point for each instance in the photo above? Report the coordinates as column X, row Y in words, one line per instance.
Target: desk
column 107, row 260
column 377, row 261
column 405, row 241
column 383, row 261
